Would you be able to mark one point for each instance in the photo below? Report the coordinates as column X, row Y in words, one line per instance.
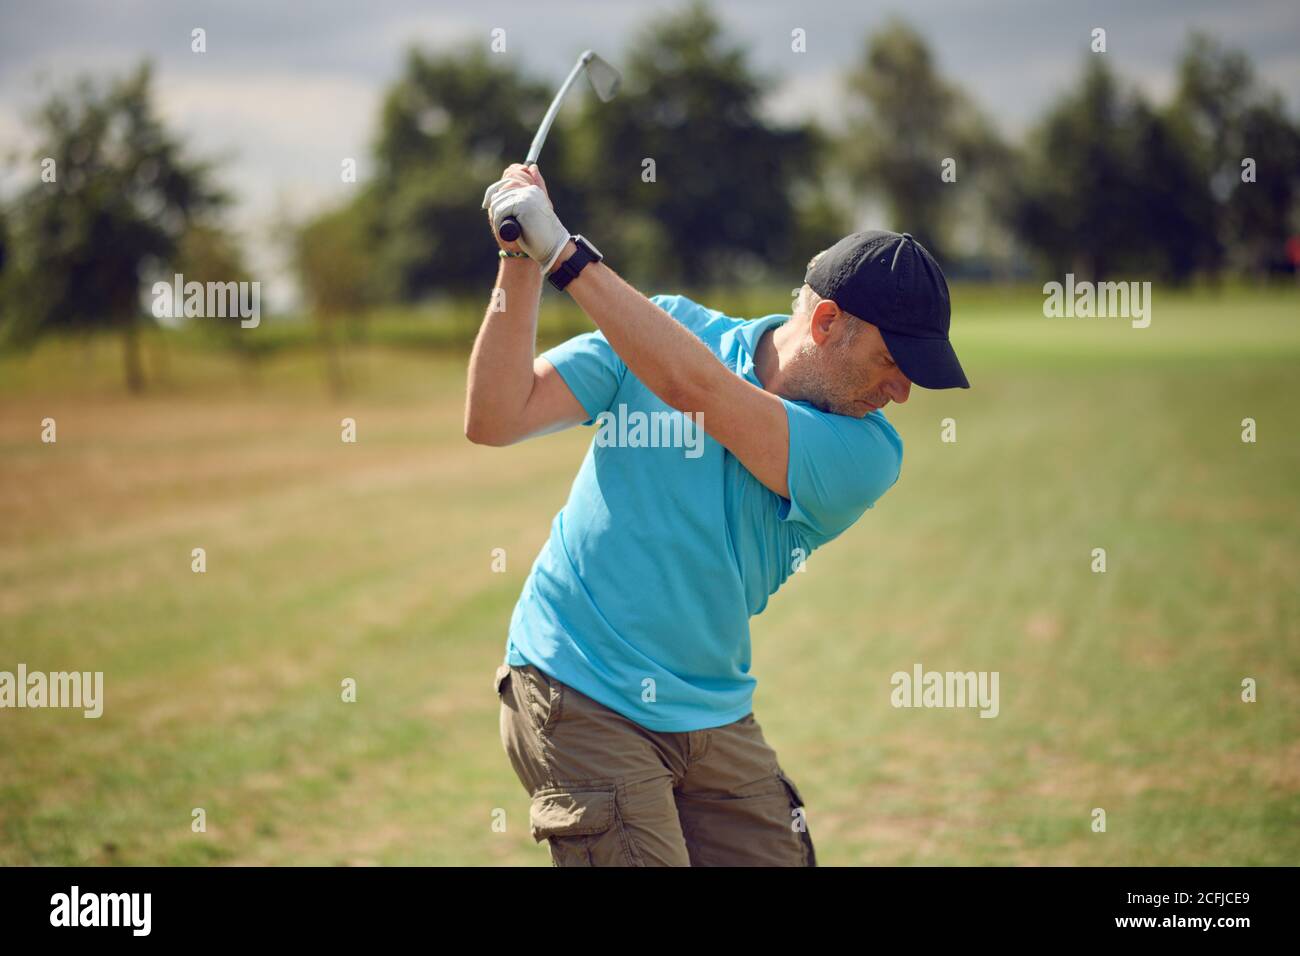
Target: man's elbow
column 483, row 433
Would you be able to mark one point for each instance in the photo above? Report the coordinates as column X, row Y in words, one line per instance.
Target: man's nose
column 898, row 389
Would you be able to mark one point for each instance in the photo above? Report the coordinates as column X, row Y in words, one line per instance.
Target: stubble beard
column 812, row 377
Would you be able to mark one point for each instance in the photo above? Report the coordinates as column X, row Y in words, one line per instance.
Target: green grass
column 372, row 561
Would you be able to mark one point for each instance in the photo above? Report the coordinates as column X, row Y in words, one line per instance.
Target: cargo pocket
column 798, row 822
column 582, row 825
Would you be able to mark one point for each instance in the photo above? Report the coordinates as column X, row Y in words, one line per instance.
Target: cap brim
column 930, row 363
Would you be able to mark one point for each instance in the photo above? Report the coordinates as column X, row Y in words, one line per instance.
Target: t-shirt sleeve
column 687, row 312
column 839, row 467
column 591, row 369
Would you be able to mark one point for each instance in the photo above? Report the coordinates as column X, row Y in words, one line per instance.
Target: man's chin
column 848, row 411
column 852, row 410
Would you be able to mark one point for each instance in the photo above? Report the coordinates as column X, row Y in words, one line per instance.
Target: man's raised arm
column 748, row 421
column 510, row 395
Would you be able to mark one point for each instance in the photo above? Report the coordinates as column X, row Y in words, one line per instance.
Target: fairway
column 373, row 561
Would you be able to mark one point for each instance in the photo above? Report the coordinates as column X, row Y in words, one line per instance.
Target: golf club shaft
column 510, row 229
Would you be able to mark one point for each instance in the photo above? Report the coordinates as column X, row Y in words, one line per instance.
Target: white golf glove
column 542, row 235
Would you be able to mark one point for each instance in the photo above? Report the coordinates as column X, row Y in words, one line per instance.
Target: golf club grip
column 509, row 230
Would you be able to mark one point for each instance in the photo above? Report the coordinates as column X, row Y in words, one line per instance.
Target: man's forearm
column 667, row 358
column 501, row 364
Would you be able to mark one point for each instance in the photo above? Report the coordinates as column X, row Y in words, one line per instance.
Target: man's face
column 843, row 365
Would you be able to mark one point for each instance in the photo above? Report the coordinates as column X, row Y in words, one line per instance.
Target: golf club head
column 604, row 78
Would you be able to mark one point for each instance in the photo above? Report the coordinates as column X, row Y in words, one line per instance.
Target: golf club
column 604, row 80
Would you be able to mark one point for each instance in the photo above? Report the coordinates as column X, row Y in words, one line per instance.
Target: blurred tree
column 904, row 120
column 1175, row 222
column 822, row 212
column 333, row 256
column 122, row 196
column 1260, row 217
column 452, row 122
column 209, row 253
column 6, row 275
column 1109, row 182
column 1083, row 202
column 728, row 196
column 1214, row 88
column 449, row 125
column 1219, row 97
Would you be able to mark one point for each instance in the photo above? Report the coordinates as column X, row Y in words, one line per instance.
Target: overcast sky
column 286, row 89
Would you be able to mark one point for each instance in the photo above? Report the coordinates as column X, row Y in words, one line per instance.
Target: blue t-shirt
column 642, row 596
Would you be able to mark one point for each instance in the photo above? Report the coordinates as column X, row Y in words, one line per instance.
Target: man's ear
column 822, row 320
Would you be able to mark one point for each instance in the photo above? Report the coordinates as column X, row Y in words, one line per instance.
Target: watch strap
column 583, row 256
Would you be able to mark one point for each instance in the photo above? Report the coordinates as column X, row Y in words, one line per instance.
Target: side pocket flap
column 563, row 812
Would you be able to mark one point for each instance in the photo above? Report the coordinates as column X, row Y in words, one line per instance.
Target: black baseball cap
column 890, row 280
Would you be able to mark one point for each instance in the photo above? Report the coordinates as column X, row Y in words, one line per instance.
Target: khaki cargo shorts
column 606, row 791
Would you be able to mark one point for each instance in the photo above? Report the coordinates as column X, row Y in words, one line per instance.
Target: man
column 626, row 698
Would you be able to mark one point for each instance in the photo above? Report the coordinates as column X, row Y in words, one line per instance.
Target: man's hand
column 521, row 192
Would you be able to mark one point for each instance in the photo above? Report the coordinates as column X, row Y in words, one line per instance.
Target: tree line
column 682, row 177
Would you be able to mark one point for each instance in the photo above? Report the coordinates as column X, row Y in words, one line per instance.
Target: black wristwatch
column 569, row 269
